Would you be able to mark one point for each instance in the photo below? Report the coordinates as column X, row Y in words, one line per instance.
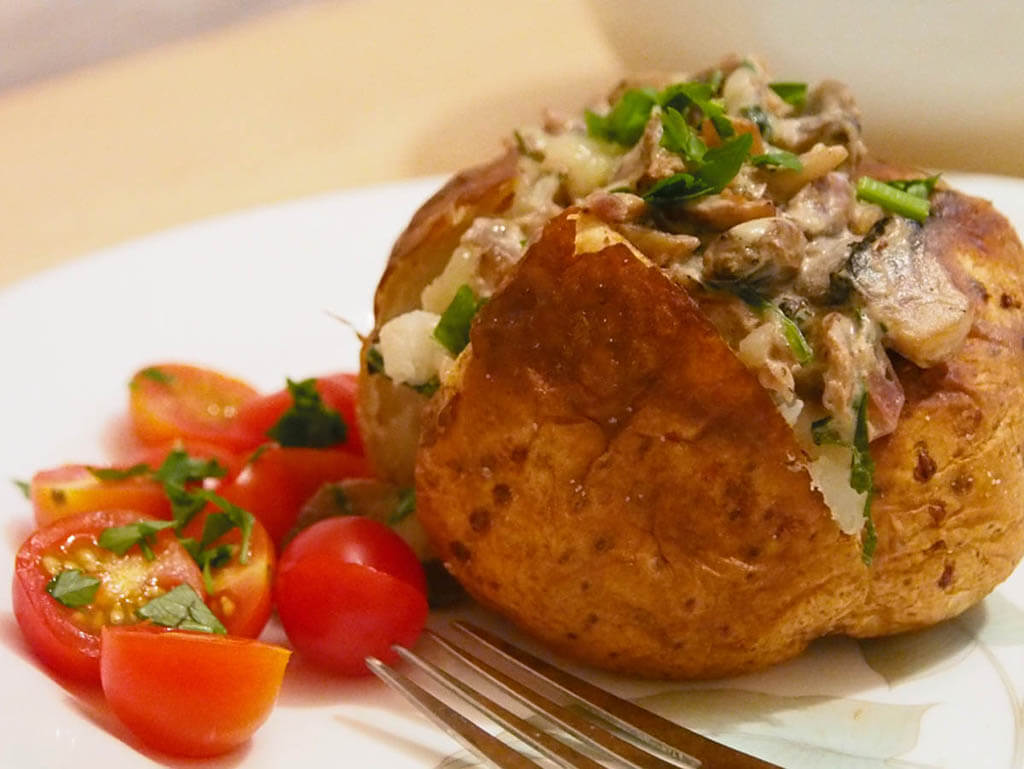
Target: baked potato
column 726, row 395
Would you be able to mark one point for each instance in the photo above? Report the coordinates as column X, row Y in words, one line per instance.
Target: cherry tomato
column 240, row 593
column 68, row 639
column 279, row 481
column 350, row 587
column 190, row 694
column 338, row 392
column 72, row 489
column 174, row 400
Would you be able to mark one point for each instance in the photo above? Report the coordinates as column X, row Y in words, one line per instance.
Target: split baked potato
column 701, row 421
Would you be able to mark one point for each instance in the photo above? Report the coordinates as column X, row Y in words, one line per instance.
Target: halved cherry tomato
column 68, row 639
column 72, row 489
column 190, row 694
column 239, row 593
column 279, row 481
column 350, row 587
column 174, row 400
column 338, row 392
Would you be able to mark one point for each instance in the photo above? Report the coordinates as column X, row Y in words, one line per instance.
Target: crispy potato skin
column 604, row 472
column 608, row 475
column 389, row 416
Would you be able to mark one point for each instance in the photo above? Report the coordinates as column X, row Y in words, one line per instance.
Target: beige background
column 284, row 104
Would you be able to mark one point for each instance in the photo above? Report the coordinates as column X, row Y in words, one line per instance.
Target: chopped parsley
column 72, row 588
column 681, row 96
column 374, row 361
column 154, row 374
column 780, row 159
column 795, row 339
column 25, row 486
column 862, row 476
column 759, row 117
column 406, row 506
column 119, row 473
column 680, row 138
column 898, row 201
column 182, row 609
column 625, row 123
column 429, row 387
column 452, row 330
column 309, row 423
column 717, row 168
column 791, row 93
column 120, row 539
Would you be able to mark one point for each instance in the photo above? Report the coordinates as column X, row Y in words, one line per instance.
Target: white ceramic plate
column 250, row 294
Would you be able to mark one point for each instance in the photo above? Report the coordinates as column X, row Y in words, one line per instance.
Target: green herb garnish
column 699, row 95
column 120, row 539
column 429, row 387
column 824, row 433
column 155, row 374
column 795, row 338
column 718, row 167
column 406, row 506
column 179, row 469
column 72, row 588
column 862, row 476
column 791, row 93
column 374, row 361
column 309, row 422
column 25, row 486
column 893, row 199
column 779, row 158
column 760, row 118
column 625, row 123
column 680, row 138
column 183, row 609
column 118, row 473
column 452, row 330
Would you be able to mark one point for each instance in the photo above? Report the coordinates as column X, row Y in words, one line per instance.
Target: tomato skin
column 338, row 392
column 279, row 481
column 188, row 402
column 46, row 625
column 241, row 597
column 190, row 694
column 347, row 588
column 70, row 489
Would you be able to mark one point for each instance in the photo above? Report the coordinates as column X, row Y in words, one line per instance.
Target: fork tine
column 453, row 723
column 558, row 752
column 578, row 726
column 648, row 727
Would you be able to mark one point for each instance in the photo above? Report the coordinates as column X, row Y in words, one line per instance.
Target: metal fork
column 643, row 735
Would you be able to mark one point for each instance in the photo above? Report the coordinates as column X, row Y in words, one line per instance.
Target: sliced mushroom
column 766, row 252
column 908, row 292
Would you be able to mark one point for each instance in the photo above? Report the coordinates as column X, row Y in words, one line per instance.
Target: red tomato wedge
column 338, row 392
column 174, row 400
column 190, row 694
column 72, row 489
column 347, row 588
column 240, row 594
column 67, row 638
column 279, row 481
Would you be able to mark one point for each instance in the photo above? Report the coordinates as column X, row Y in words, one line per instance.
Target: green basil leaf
column 72, row 588
column 452, row 330
column 183, row 609
column 406, row 506
column 120, row 539
column 791, row 93
column 625, row 123
column 309, row 422
column 779, row 158
column 185, row 504
column 237, row 516
column 118, row 473
column 179, row 469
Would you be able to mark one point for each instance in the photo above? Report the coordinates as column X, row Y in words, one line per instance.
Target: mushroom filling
column 745, row 191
